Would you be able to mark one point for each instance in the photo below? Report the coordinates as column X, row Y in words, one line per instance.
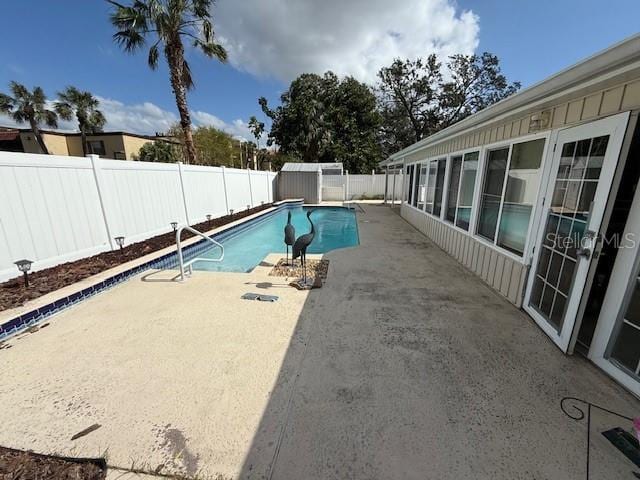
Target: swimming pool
column 335, row 227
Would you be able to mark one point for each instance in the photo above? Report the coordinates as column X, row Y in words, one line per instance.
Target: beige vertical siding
column 606, row 102
column 504, row 274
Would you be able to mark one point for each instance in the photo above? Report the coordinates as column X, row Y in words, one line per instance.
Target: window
column 422, row 180
column 431, row 186
column 510, row 203
column 439, row 187
column 96, row 147
column 492, row 192
column 467, row 187
column 454, row 185
column 407, row 193
column 119, row 156
column 520, row 195
column 414, row 194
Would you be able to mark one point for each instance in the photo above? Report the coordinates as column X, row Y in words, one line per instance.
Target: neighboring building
column 116, row 145
column 537, row 195
column 325, row 168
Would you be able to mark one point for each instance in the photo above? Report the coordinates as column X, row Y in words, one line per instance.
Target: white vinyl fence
column 353, row 187
column 55, row 209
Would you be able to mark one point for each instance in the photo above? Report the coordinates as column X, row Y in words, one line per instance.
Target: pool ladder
column 186, row 268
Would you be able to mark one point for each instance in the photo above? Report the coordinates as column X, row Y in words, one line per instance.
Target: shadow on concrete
column 405, row 365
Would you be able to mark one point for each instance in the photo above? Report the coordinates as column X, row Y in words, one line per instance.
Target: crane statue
column 289, row 235
column 300, row 247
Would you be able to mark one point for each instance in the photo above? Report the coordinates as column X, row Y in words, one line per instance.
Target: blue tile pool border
column 167, row 261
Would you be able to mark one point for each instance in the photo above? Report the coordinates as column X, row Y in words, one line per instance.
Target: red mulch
column 20, row 465
column 13, row 294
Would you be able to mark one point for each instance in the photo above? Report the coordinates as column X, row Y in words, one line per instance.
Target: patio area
column 404, row 365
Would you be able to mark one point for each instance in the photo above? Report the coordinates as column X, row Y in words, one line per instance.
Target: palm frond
column 187, row 79
column 212, row 50
column 153, row 57
column 7, row 103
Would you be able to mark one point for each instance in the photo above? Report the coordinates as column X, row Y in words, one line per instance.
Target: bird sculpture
column 289, row 235
column 301, row 244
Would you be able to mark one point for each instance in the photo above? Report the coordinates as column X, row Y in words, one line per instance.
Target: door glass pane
column 626, row 346
column 520, row 195
column 565, row 226
column 467, row 187
column 440, row 172
column 492, row 192
column 422, row 180
column 454, row 183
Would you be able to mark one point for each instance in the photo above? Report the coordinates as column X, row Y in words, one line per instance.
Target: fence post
column 184, row 195
column 97, row 175
column 250, row 190
column 268, row 187
column 373, row 181
column 347, row 186
column 224, row 187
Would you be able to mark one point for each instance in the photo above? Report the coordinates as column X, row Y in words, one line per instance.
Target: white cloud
column 146, row 118
column 283, row 38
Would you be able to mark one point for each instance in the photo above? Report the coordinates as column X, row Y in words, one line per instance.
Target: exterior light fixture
column 248, row 207
column 262, row 202
column 209, row 220
column 119, row 241
column 24, row 266
column 174, row 225
column 231, row 212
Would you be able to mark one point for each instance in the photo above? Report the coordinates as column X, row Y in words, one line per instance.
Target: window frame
column 534, row 220
column 474, row 205
column 91, row 150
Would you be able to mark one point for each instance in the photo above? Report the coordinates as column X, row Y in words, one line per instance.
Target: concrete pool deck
column 404, row 365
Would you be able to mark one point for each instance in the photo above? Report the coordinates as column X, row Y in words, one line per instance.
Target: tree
column 84, row 106
column 214, row 147
column 29, row 106
column 159, row 151
column 256, row 128
column 417, row 99
column 168, row 23
column 324, row 119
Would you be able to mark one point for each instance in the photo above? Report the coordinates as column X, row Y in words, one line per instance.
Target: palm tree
column 25, row 106
column 168, row 23
column 85, row 108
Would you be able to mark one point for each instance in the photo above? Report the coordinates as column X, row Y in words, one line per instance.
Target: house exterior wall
column 56, row 144
column 498, row 268
column 132, row 145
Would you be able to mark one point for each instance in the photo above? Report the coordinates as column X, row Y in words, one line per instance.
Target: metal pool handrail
column 188, row 265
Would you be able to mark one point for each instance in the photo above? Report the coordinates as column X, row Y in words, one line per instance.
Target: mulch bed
column 315, row 268
column 21, row 465
column 13, row 294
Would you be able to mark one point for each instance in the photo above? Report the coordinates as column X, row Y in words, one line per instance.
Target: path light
column 248, row 207
column 24, row 266
column 119, row 241
column 174, row 225
column 209, row 220
column 261, row 202
column 231, row 212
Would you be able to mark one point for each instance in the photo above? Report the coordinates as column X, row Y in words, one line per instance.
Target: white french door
column 583, row 165
column 616, row 343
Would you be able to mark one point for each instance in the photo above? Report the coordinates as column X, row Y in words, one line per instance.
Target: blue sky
column 271, row 41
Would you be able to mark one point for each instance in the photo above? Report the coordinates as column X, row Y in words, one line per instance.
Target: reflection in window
column 422, row 180
column 454, row 184
column 467, row 186
column 439, row 186
column 431, row 186
column 407, row 195
column 414, row 195
column 492, row 192
column 520, row 195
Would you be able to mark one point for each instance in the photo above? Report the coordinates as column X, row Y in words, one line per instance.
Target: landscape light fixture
column 248, row 207
column 119, row 242
column 231, row 212
column 174, row 225
column 24, row 266
column 209, row 220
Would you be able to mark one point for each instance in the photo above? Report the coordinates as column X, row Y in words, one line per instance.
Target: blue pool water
column 335, row 227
